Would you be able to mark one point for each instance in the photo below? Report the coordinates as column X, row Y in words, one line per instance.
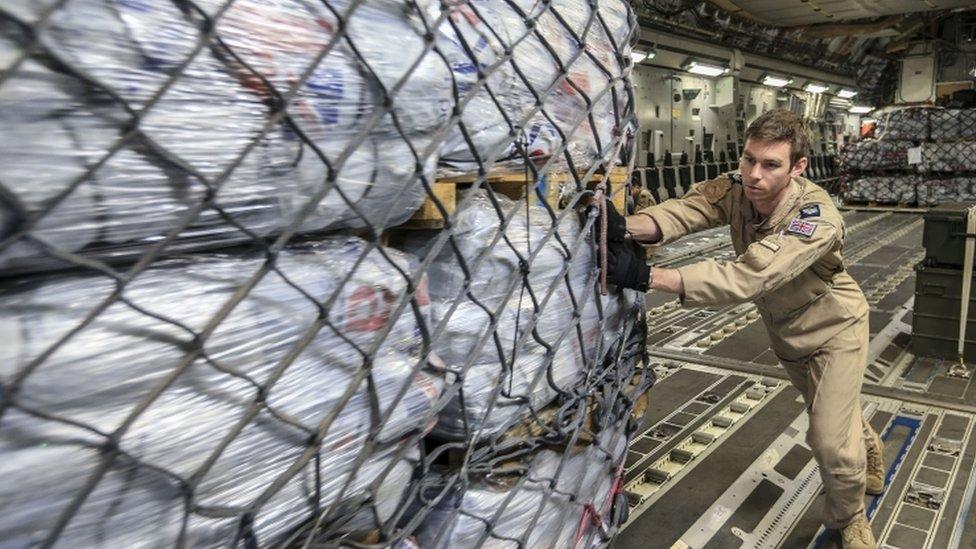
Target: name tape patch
column 801, row 227
column 812, row 210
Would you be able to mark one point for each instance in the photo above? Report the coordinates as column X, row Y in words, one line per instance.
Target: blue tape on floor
column 912, row 424
column 900, row 421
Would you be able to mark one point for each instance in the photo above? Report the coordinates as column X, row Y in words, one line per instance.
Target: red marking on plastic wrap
column 422, row 295
column 582, row 81
column 368, row 309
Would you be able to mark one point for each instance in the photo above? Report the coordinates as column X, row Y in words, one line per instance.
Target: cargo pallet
column 874, row 205
column 515, row 186
column 542, row 421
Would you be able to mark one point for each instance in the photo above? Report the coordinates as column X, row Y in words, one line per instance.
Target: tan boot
column 858, row 535
column 875, row 482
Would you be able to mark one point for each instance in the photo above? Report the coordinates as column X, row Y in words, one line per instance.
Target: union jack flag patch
column 801, row 227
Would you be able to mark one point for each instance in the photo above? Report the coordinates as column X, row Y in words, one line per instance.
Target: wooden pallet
column 882, row 206
column 513, row 185
column 877, row 204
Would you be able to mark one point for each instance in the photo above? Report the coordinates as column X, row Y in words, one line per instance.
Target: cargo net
column 917, row 155
column 215, row 329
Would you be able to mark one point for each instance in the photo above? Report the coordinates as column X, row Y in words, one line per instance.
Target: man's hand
column 626, row 266
column 616, row 224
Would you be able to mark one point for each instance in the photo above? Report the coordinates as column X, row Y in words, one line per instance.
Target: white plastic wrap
column 876, row 154
column 953, row 124
column 888, row 189
column 932, row 192
column 99, row 376
column 948, row 157
column 486, row 28
column 475, row 228
column 131, row 47
column 137, row 506
column 905, row 123
column 584, row 482
column 57, row 126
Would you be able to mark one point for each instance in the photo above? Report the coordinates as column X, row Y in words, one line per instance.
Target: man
column 788, row 236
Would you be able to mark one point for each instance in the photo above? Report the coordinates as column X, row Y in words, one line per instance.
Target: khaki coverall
column 790, row 265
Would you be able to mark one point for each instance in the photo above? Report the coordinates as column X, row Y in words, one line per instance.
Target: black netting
column 295, row 272
column 922, row 155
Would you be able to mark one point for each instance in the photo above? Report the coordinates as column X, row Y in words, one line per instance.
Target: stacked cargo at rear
column 218, row 330
column 918, row 155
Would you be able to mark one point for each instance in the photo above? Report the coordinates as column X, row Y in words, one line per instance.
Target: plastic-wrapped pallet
column 888, row 189
column 239, row 416
column 550, row 503
column 497, row 115
column 875, row 154
column 60, row 124
column 953, row 124
column 497, row 378
column 948, row 157
column 932, row 192
column 903, row 123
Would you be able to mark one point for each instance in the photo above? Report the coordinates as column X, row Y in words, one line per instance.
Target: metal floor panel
column 754, row 483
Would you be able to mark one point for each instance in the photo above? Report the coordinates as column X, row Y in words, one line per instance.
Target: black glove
column 616, row 225
column 626, row 265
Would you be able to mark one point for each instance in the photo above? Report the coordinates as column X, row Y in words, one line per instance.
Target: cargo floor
column 721, row 460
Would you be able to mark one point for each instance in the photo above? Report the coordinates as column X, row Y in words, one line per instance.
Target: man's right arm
column 705, row 205
column 643, row 228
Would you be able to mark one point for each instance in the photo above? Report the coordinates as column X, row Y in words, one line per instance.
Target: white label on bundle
column 915, row 155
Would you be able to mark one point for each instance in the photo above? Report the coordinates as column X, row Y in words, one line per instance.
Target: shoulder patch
column 813, row 210
column 715, row 190
column 802, row 228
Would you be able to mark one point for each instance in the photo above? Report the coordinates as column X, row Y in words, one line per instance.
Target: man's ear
column 799, row 166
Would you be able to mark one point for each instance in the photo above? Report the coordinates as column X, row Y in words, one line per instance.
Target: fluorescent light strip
column 775, row 81
column 704, row 69
column 640, row 55
column 860, row 109
column 846, row 93
column 815, row 88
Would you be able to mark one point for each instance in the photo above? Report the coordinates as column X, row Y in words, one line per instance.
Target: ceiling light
column 845, row 93
column 642, row 55
column 776, row 81
column 860, row 109
column 812, row 87
column 704, row 69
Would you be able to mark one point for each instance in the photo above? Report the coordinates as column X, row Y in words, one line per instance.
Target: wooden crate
column 514, row 186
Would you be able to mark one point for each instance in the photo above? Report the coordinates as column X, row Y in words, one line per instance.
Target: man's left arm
column 764, row 266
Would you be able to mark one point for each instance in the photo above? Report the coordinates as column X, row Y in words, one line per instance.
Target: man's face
column 766, row 169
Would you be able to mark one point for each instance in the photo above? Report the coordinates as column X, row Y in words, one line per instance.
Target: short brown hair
column 782, row 125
